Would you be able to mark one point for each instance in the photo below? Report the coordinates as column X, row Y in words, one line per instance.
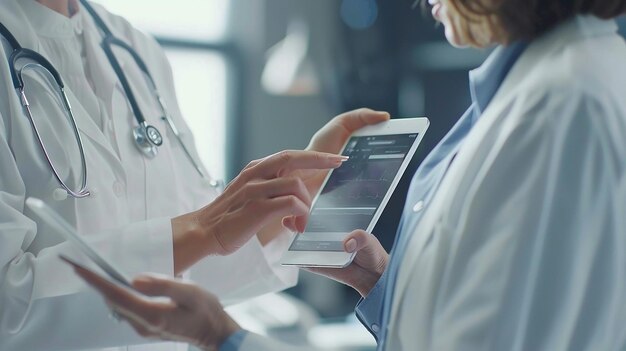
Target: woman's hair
column 528, row 19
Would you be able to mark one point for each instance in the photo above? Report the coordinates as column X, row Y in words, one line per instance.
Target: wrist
column 214, row 339
column 191, row 241
column 366, row 283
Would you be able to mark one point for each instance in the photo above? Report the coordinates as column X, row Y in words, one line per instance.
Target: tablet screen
column 354, row 191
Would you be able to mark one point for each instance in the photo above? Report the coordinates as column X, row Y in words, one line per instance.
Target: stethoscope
column 146, row 136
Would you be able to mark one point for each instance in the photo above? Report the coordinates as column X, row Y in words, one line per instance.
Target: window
column 190, row 32
column 200, row 80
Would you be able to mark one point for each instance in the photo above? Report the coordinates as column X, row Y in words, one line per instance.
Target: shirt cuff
column 234, row 342
column 274, row 251
column 240, row 276
column 369, row 309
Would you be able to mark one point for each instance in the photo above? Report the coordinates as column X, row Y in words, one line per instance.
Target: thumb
column 370, row 253
column 359, row 240
column 360, row 118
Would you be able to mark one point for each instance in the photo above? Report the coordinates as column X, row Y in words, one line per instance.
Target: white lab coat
column 524, row 245
column 43, row 305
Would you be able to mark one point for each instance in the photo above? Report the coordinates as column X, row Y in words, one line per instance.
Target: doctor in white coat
column 145, row 214
column 514, row 231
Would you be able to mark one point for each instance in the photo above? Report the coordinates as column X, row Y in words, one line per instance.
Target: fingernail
column 351, row 245
column 338, row 160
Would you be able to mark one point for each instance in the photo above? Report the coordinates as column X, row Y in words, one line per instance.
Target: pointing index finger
column 285, row 162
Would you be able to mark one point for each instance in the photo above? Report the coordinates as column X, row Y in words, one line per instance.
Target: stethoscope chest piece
column 148, row 139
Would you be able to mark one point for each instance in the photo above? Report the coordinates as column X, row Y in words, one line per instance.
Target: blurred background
column 257, row 76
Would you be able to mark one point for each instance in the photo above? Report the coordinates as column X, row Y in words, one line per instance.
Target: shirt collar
column 49, row 23
column 486, row 79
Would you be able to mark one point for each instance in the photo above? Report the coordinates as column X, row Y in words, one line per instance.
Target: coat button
column 418, row 206
column 375, row 328
column 119, row 189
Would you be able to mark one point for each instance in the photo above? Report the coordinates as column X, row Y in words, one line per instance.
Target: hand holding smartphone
column 68, row 232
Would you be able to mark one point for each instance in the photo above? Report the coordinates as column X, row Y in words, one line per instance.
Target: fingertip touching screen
column 353, row 193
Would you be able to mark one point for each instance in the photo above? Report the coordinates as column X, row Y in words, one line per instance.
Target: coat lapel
column 442, row 201
column 88, row 127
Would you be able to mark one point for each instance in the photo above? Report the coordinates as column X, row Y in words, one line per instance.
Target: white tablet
column 68, row 232
column 354, row 195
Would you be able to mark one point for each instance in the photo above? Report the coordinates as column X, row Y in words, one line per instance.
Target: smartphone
column 110, row 278
column 58, row 223
column 354, row 195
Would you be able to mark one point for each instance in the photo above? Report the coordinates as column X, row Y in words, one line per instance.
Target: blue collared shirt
column 233, row 343
column 373, row 310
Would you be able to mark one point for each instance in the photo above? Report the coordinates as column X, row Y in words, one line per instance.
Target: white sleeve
column 254, row 269
column 251, row 271
column 41, row 299
column 537, row 254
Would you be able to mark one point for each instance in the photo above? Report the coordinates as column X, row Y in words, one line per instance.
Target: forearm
column 191, row 242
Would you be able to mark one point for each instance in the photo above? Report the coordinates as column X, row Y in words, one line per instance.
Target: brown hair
column 528, row 19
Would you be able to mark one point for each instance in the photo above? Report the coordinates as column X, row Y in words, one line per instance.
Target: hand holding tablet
column 354, row 195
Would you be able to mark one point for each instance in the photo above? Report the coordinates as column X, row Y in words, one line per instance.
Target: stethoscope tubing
column 107, row 45
column 82, row 192
column 18, row 83
column 147, row 137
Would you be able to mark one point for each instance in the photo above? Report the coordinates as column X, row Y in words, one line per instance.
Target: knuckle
column 285, row 156
column 317, row 157
column 292, row 201
column 292, row 184
column 362, row 233
column 246, row 174
column 346, row 116
column 381, row 263
column 252, row 163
